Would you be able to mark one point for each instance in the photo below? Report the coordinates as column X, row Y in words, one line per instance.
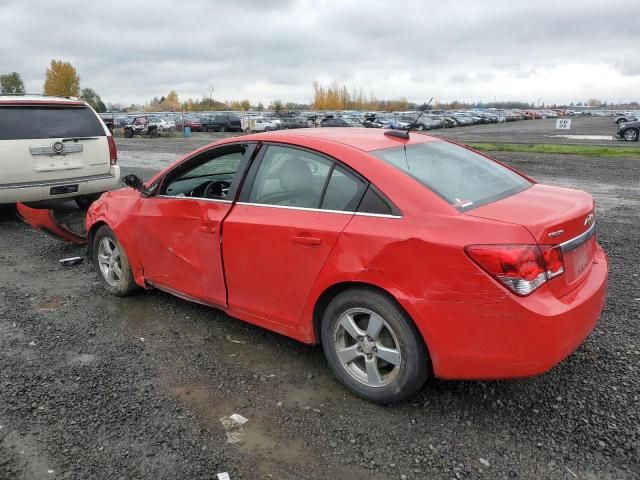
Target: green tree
column 11, row 83
column 245, row 105
column 61, row 79
column 260, row 107
column 93, row 99
column 276, row 105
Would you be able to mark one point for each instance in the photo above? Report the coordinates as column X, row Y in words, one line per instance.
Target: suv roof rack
column 37, row 95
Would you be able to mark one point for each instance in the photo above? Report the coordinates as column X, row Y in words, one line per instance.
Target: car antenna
column 405, row 135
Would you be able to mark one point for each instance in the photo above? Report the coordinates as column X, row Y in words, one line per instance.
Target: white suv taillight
column 521, row 268
column 113, row 153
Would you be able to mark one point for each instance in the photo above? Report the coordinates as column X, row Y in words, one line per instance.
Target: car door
column 282, row 229
column 180, row 226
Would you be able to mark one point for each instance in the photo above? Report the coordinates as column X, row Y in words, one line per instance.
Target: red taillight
column 521, row 268
column 553, row 260
column 113, row 153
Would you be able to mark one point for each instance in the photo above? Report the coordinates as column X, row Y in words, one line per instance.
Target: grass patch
column 586, row 150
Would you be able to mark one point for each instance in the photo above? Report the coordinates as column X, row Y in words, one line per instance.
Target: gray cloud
column 558, row 51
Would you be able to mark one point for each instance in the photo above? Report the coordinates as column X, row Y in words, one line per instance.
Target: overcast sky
column 529, row 50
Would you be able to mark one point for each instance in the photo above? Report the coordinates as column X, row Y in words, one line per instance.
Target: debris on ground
column 233, row 427
column 235, row 341
column 224, row 476
column 68, row 262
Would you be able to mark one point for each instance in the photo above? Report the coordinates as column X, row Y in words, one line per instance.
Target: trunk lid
column 553, row 216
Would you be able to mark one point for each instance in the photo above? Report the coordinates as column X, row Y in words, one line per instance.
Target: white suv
column 54, row 147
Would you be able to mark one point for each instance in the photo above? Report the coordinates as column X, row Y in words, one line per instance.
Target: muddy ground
column 93, row 386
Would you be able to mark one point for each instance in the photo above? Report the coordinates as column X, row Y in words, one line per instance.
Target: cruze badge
column 557, row 233
column 58, row 147
column 588, row 221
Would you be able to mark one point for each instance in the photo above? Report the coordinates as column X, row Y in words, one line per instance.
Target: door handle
column 208, row 228
column 304, row 240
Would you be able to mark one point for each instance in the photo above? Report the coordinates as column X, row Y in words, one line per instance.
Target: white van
column 53, row 147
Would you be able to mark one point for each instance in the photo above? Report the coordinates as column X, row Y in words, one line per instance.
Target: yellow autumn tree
column 61, row 79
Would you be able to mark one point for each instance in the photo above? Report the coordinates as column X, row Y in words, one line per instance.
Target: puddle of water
column 259, row 439
column 82, row 359
column 50, row 305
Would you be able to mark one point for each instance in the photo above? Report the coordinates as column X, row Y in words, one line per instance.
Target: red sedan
column 404, row 258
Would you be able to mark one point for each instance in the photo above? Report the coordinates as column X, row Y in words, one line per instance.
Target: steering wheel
column 216, row 189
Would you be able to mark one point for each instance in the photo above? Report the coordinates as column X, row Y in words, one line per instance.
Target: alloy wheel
column 109, row 261
column 367, row 347
column 631, row 135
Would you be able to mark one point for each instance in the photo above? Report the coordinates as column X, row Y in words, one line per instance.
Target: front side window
column 290, row 177
column 461, row 177
column 209, row 175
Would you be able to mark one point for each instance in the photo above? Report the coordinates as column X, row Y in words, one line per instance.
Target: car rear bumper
column 516, row 337
column 42, row 190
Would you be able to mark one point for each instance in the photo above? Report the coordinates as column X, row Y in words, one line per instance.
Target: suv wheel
column 128, row 133
column 373, row 348
column 111, row 261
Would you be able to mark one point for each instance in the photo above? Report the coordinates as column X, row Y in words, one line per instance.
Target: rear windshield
column 24, row 123
column 461, row 177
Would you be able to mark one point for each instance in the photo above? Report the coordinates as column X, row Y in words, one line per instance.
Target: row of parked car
column 266, row 121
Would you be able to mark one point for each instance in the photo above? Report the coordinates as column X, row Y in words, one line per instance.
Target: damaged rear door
column 179, row 227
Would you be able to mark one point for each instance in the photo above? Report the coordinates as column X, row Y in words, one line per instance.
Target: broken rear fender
column 45, row 221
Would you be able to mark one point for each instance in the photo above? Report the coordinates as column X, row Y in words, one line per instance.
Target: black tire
column 128, row 133
column 85, row 201
column 631, row 135
column 153, row 133
column 399, row 335
column 125, row 285
column 206, row 128
column 420, row 127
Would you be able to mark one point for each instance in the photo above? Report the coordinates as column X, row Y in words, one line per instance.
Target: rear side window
column 24, row 123
column 372, row 202
column 461, row 177
column 343, row 192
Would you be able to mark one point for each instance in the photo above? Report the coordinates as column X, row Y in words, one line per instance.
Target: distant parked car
column 162, row 124
column 625, row 118
column 628, row 131
column 222, row 122
column 261, row 124
column 335, row 122
column 293, row 122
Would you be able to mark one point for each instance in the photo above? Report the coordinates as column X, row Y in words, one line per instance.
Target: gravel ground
column 99, row 387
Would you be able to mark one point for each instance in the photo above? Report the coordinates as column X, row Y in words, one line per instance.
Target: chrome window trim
column 581, row 239
column 321, row 210
column 50, row 183
column 214, row 200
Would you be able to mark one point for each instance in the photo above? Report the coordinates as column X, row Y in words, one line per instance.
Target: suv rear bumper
column 41, row 190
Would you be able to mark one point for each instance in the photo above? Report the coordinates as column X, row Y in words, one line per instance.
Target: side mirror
column 134, row 182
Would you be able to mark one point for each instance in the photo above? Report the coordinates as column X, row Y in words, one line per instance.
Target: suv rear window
column 24, row 123
column 461, row 177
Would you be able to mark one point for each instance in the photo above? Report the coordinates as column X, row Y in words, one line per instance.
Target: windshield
column 463, row 178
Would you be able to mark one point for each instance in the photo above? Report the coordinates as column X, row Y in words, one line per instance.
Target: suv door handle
column 305, row 240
